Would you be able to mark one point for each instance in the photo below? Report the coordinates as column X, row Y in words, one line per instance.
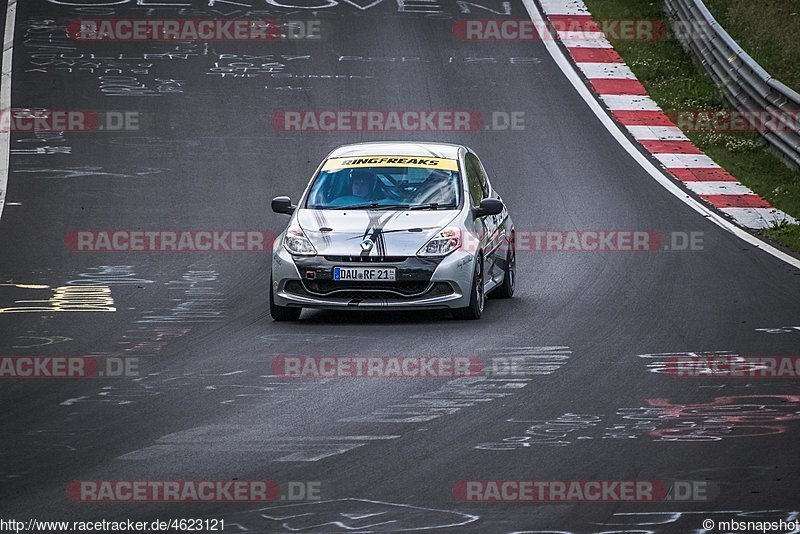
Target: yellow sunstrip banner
column 390, row 161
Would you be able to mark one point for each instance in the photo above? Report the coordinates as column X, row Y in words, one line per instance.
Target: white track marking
column 5, row 97
column 615, row 130
column 572, row 39
column 560, row 7
column 718, row 188
column 630, row 103
column 608, row 71
column 657, row 133
column 686, row 161
column 759, row 217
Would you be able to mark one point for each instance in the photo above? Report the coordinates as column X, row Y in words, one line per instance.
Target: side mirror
column 489, row 206
column 283, row 205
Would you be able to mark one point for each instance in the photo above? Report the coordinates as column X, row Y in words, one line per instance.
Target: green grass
column 675, row 83
column 768, row 30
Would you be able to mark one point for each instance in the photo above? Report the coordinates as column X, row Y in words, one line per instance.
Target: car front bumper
column 443, row 283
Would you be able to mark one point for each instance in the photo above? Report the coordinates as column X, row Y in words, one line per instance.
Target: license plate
column 364, row 274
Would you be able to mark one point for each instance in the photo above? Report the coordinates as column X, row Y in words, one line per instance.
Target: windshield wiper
column 372, row 206
column 432, row 206
column 354, row 206
column 377, row 206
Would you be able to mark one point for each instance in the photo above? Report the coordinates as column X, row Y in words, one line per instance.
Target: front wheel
column 281, row 313
column 506, row 289
column 477, row 298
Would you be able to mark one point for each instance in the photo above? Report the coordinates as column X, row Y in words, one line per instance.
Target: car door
column 489, row 228
column 495, row 226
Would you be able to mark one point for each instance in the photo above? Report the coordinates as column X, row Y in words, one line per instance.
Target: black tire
column 281, row 313
column 506, row 289
column 477, row 297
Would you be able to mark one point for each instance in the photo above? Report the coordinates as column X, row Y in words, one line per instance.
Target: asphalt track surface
column 387, row 455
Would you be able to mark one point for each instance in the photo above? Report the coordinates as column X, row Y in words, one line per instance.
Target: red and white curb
column 626, row 99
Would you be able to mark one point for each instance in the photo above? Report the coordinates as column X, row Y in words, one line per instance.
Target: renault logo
column 366, row 245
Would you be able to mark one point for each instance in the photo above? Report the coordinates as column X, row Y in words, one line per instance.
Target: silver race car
column 394, row 225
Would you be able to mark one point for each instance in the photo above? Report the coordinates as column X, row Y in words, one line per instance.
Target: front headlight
column 296, row 242
column 442, row 243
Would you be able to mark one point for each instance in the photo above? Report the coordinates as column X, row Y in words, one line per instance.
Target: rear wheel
column 281, row 313
column 506, row 289
column 477, row 298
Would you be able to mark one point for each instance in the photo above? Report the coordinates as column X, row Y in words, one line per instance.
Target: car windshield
column 422, row 186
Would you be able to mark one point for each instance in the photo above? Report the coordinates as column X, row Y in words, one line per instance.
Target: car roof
column 398, row 148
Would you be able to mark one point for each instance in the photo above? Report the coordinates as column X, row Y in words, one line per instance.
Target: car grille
column 372, row 291
column 407, row 287
column 367, row 259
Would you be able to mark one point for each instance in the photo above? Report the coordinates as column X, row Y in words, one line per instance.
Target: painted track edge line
column 569, row 70
column 5, row 98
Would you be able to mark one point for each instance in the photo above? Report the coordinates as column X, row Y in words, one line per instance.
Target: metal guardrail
column 746, row 85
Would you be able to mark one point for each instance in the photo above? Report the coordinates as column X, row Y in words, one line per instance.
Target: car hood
column 394, row 233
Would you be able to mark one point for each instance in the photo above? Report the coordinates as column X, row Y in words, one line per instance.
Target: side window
column 475, row 179
column 485, row 187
